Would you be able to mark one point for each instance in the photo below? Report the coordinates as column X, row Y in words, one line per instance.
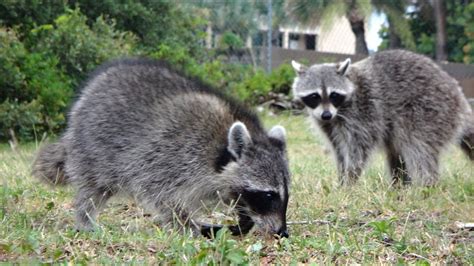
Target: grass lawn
column 367, row 223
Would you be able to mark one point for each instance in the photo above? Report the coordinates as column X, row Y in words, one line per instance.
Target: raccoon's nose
column 326, row 115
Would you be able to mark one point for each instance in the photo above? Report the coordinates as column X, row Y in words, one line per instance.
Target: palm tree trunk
column 356, row 19
column 394, row 40
column 440, row 18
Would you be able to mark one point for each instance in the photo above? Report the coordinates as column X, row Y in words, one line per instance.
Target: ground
column 368, row 223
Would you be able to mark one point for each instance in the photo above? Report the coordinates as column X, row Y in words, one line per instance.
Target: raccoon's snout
column 326, row 115
column 272, row 224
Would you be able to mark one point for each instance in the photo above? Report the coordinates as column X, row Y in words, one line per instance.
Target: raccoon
column 395, row 99
column 174, row 144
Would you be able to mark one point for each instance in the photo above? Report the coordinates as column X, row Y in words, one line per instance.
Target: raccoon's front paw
column 84, row 228
column 210, row 230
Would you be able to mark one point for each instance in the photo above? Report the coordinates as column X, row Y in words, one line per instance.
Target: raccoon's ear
column 278, row 133
column 299, row 68
column 342, row 67
column 238, row 138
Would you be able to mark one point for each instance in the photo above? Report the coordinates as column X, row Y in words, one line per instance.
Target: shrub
column 153, row 22
column 254, row 89
column 230, row 41
column 35, row 92
column 23, row 119
column 81, row 48
column 281, row 79
column 234, row 79
column 242, row 81
column 25, row 15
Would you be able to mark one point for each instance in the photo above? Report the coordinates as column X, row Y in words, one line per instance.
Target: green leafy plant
column 35, row 92
column 78, row 46
column 282, row 78
column 230, row 41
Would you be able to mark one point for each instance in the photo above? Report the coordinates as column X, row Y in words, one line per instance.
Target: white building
column 335, row 38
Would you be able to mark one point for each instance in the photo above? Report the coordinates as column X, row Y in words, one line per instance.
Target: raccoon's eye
column 261, row 201
column 311, row 100
column 336, row 99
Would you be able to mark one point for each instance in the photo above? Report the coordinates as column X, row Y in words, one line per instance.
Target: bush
column 230, row 41
column 25, row 15
column 254, row 89
column 40, row 65
column 35, row 92
column 23, row 119
column 212, row 71
column 242, row 81
column 153, row 22
column 282, row 78
column 81, row 48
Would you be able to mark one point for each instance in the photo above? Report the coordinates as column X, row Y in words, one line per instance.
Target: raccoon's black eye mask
column 261, row 202
column 336, row 99
column 312, row 100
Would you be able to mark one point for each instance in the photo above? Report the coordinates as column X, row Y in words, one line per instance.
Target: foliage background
column 47, row 48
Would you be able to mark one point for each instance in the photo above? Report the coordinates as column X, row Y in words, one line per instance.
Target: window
column 310, row 41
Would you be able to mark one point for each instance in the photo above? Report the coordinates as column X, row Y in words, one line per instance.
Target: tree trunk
column 440, row 18
column 357, row 25
column 394, row 40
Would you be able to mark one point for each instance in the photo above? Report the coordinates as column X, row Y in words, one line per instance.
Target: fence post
column 269, row 37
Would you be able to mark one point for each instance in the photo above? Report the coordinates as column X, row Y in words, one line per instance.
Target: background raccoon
column 397, row 99
column 172, row 143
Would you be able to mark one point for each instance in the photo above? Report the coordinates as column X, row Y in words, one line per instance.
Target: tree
column 356, row 11
column 314, row 12
column 154, row 22
column 78, row 46
column 459, row 17
column 399, row 34
column 439, row 11
column 25, row 15
column 229, row 17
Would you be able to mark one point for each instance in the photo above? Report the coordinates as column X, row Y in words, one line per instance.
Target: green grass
column 367, row 223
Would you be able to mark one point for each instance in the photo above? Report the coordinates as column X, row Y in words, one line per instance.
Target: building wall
column 334, row 38
column 337, row 38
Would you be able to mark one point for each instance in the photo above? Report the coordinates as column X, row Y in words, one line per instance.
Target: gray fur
column 396, row 99
column 49, row 164
column 172, row 143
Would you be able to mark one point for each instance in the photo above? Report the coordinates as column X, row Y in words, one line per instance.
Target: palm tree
column 356, row 11
column 236, row 16
column 313, row 12
column 439, row 11
column 400, row 34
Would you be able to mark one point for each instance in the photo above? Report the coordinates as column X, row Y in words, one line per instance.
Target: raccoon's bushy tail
column 49, row 164
column 467, row 140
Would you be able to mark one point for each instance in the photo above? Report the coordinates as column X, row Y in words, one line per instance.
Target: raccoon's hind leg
column 467, row 141
column 421, row 162
column 397, row 165
column 89, row 200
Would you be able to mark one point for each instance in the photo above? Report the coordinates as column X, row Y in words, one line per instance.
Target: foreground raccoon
column 397, row 99
column 172, row 143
